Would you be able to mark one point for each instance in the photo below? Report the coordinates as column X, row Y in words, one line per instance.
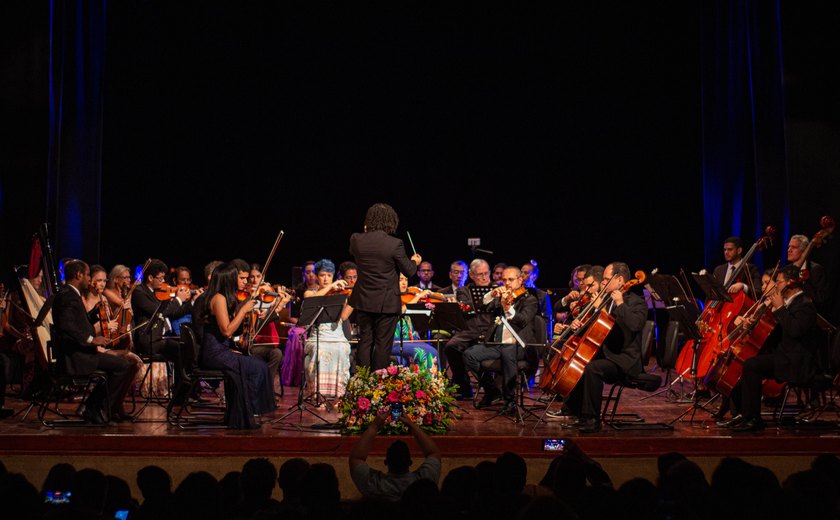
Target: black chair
column 812, row 400
column 641, row 381
column 181, row 410
column 63, row 387
column 151, row 396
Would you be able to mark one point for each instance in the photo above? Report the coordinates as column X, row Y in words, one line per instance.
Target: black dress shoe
column 749, row 425
column 509, row 408
column 589, row 425
column 734, row 421
column 121, row 416
column 488, row 400
column 93, row 416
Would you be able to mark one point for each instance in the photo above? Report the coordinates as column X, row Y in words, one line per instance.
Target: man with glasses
column 425, row 272
column 457, row 278
column 478, row 320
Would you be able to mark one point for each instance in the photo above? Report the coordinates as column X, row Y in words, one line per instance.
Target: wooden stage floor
column 476, row 434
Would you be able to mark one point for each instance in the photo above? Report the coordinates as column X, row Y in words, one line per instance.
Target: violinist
column 519, row 307
column 478, row 320
column 815, row 284
column 748, row 279
column 248, row 388
column 333, row 361
column 181, row 277
column 620, row 354
column 530, row 273
column 84, row 351
column 199, row 302
column 793, row 360
column 588, row 288
column 348, row 272
column 405, row 351
column 147, row 307
column 498, row 269
column 562, row 305
column 309, row 282
column 266, row 343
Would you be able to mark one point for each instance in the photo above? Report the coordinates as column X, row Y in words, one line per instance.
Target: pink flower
column 393, row 397
column 420, row 394
column 363, row 403
column 393, row 370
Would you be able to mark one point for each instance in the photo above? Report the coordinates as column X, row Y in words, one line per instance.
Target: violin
column 412, row 292
column 264, row 294
column 509, row 297
column 105, row 317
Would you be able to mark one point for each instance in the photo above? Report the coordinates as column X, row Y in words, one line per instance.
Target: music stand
column 421, row 320
column 314, row 311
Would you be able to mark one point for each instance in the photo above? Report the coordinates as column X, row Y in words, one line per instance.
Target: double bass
column 747, row 339
column 565, row 368
column 717, row 319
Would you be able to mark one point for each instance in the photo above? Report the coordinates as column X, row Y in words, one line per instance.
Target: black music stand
column 447, row 316
column 314, row 311
column 714, row 291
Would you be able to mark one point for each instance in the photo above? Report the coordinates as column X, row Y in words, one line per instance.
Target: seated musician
column 425, row 272
column 16, row 340
column 816, row 284
column 199, row 302
column 349, row 272
column 146, row 306
column 82, row 351
column 266, row 344
column 561, row 306
column 501, row 342
column 329, row 372
column 793, row 358
column 748, row 279
column 181, row 277
column 406, row 350
column 498, row 270
column 530, row 273
column 457, row 278
column 94, row 298
column 619, row 355
column 478, row 321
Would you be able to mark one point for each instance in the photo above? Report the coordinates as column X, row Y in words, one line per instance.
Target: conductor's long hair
column 224, row 281
column 381, row 217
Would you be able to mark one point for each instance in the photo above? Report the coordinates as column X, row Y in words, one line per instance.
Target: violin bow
column 256, row 288
column 411, row 242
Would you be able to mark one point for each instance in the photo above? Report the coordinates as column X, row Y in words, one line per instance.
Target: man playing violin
column 620, row 354
column 348, row 272
column 562, row 305
column 477, row 323
column 519, row 308
column 498, row 270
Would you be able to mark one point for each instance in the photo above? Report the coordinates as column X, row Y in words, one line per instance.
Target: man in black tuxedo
column 620, row 353
column 81, row 350
column 426, row 272
column 520, row 317
column 380, row 259
column 149, row 339
column 748, row 279
column 815, row 285
column 793, row 358
column 457, row 279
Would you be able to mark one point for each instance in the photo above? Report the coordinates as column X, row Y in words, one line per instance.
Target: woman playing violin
column 406, row 351
column 333, row 361
column 95, row 297
column 266, row 343
column 248, row 388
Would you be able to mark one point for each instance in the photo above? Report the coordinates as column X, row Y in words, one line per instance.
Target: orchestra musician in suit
column 83, row 352
column 519, row 312
column 815, row 285
column 792, row 360
column 457, row 278
column 620, row 354
column 477, row 323
column 380, row 257
column 425, row 273
column 749, row 279
column 561, row 306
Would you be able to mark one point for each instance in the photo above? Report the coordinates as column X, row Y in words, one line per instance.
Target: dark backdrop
column 564, row 134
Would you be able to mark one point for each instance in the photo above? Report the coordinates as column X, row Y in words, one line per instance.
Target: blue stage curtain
column 77, row 66
column 745, row 177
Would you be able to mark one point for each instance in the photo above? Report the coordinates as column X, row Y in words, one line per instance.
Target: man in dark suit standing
column 380, row 259
column 519, row 315
column 620, row 353
column 81, row 349
column 747, row 280
column 793, row 358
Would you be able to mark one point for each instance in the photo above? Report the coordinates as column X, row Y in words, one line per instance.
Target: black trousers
column 454, row 350
column 118, row 371
column 585, row 400
column 376, row 337
column 755, row 369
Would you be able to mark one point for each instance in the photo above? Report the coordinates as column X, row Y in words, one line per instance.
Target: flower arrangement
column 423, row 392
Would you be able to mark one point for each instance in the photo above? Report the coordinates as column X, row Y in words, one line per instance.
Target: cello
column 567, row 366
column 747, row 339
column 716, row 320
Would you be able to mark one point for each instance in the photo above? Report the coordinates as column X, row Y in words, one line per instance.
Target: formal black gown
column 248, row 388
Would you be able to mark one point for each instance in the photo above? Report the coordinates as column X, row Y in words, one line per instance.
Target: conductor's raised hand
column 417, row 259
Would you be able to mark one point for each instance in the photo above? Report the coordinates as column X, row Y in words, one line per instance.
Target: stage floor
column 476, row 434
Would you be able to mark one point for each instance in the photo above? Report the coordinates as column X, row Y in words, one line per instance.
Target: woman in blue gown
column 248, row 388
